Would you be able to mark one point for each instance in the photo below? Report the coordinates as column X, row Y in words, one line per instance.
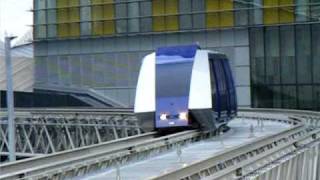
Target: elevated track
column 47, row 130
column 289, row 154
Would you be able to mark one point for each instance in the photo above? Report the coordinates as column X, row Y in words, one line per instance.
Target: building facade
column 273, row 45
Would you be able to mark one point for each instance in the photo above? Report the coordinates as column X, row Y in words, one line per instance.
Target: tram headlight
column 163, row 116
column 183, row 115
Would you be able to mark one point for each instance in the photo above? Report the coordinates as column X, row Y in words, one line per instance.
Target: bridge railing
column 45, row 132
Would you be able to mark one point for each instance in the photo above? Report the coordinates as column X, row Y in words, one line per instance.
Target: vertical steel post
column 10, row 101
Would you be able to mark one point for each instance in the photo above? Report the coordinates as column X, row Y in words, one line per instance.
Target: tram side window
column 227, row 72
column 213, row 84
column 231, row 88
column 222, row 84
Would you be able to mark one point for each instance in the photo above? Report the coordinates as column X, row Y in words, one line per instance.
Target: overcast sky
column 15, row 17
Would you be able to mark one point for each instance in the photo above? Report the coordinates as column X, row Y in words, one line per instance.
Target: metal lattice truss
column 43, row 134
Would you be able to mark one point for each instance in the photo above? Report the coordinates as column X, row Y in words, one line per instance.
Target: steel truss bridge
column 292, row 154
column 44, row 131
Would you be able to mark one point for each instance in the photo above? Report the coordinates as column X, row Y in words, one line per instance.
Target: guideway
column 242, row 131
column 260, row 144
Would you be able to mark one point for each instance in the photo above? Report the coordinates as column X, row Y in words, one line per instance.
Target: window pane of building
column 99, row 71
column 52, row 31
column 289, row 97
column 121, row 12
column 302, row 10
column 40, row 17
column 133, row 14
column 185, row 17
column 256, row 12
column 276, row 97
column 287, row 51
column 198, row 20
column 146, row 20
column 241, row 14
column 41, row 31
column 257, row 55
column 316, row 52
column 305, row 97
column 272, row 55
column 316, row 97
column 41, row 70
column 64, row 72
column 110, row 69
column 86, row 71
column 303, row 54
column 40, row 4
column 315, row 10
column 52, row 66
column 75, row 69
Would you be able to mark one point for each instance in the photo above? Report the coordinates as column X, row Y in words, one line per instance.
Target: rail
column 237, row 162
column 257, row 154
column 105, row 154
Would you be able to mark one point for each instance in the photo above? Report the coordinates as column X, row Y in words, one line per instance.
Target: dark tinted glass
column 173, row 80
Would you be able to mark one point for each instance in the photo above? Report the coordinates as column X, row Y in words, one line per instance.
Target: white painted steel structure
column 44, row 131
column 290, row 154
column 10, row 101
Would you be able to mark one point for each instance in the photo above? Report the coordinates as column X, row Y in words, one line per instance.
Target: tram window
column 221, row 83
column 213, row 83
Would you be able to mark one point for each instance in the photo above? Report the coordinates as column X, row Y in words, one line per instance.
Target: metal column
column 10, row 100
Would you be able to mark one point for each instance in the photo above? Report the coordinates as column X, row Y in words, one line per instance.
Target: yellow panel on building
column 104, row 13
column 74, row 14
column 220, row 13
column 97, row 13
column 62, row 15
column 226, row 4
column 97, row 28
column 270, row 11
column 63, row 30
column 158, row 7
column 226, row 15
column 108, row 12
column 62, row 3
column 74, row 2
column 212, row 17
column 159, row 23
column 74, row 29
column 96, row 1
column 212, row 5
column 213, row 20
column 172, row 23
column 158, row 10
column 108, row 27
column 226, row 19
column 286, row 11
column 171, row 7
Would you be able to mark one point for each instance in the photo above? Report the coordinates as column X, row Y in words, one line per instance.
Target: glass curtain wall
column 285, row 65
column 72, row 18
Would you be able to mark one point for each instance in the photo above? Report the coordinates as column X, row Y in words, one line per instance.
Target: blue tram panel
column 185, row 87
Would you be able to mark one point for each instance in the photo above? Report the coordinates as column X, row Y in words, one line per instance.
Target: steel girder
column 49, row 133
